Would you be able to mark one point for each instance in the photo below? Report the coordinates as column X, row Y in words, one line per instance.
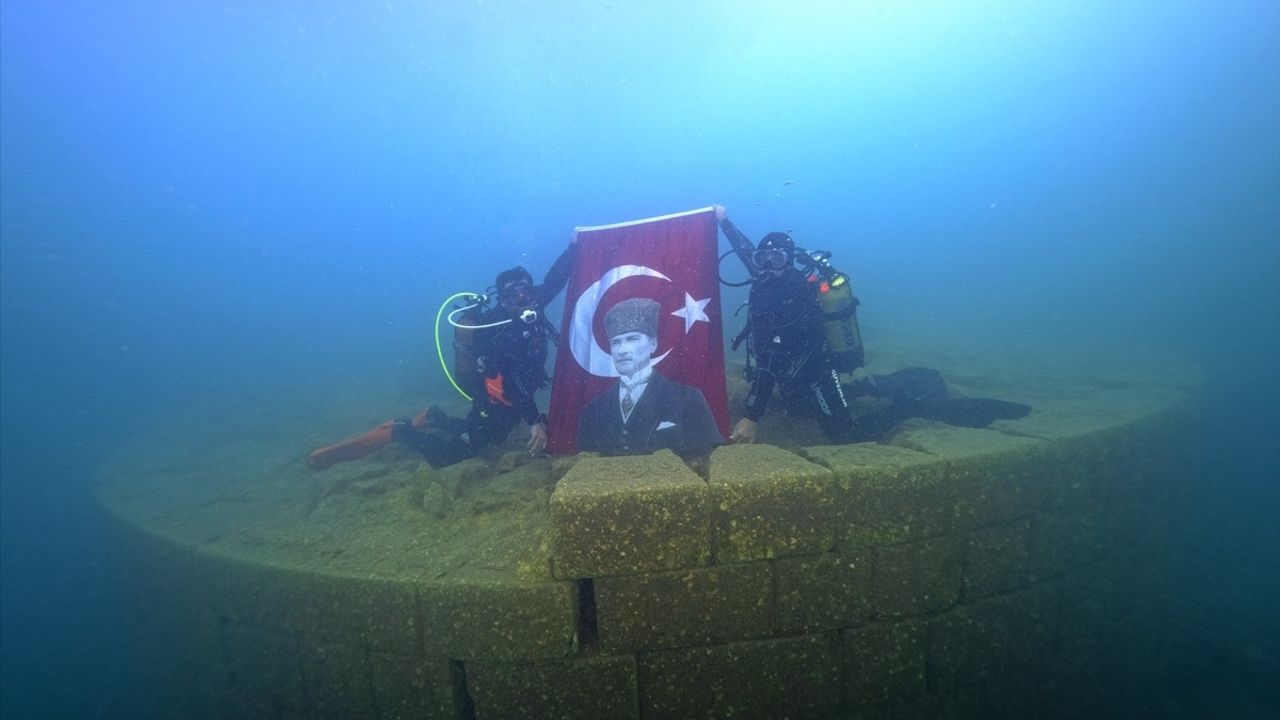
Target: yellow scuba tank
column 840, row 322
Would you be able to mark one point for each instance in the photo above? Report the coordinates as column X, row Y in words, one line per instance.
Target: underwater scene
column 597, row 359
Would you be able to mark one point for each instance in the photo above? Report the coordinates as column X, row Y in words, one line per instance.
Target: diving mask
column 774, row 259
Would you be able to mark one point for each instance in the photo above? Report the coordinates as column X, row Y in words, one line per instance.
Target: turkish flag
column 671, row 259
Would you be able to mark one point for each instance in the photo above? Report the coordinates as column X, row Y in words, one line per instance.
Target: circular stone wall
column 1014, row 571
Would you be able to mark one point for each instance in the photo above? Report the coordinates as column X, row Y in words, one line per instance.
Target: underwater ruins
column 1015, row 571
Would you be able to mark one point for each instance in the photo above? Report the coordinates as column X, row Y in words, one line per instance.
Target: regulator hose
column 439, row 348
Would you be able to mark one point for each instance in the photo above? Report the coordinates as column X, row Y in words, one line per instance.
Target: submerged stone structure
column 1014, row 571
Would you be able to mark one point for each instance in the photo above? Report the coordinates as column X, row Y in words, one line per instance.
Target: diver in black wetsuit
column 509, row 354
column 786, row 340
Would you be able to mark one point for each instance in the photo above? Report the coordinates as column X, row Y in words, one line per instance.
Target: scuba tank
column 840, row 323
column 465, row 355
column 839, row 314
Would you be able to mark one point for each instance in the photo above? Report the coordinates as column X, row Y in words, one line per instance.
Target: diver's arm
column 557, row 276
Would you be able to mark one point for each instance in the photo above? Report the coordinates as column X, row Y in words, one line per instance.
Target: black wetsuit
column 785, row 326
column 510, row 367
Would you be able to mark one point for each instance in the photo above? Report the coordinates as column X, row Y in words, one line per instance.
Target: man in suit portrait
column 644, row 411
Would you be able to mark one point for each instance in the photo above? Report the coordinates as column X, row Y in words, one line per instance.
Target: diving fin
column 972, row 412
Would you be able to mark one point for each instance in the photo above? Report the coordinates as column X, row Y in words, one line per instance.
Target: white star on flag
column 692, row 312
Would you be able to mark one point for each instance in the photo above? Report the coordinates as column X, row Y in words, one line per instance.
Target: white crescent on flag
column 582, row 338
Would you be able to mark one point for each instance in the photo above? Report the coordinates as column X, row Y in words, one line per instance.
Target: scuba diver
column 786, row 345
column 802, row 331
column 500, row 359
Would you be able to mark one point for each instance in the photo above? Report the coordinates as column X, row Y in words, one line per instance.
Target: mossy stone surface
column 322, row 608
column 884, row 663
column 993, row 638
column 339, row 681
column 407, row 688
column 626, row 515
column 768, row 503
column 1063, row 541
column 917, row 578
column 769, row 679
column 590, row 688
column 994, row 476
column 266, row 671
column 888, row 494
column 498, row 619
column 997, row 559
column 823, row 592
column 684, row 607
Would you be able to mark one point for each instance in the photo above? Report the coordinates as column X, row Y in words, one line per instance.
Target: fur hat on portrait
column 633, row 315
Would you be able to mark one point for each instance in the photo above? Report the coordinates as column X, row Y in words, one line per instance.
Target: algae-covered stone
column 339, row 683
column 768, row 503
column 888, row 494
column 884, row 663
column 590, row 688
column 994, row 476
column 823, row 592
column 267, row 672
column 993, row 638
column 1063, row 541
column 322, row 608
column 684, row 607
column 407, row 688
column 997, row 560
column 917, row 578
column 1014, row 632
column 498, row 619
column 454, row 478
column 768, row 679
column 435, row 500
column 621, row 515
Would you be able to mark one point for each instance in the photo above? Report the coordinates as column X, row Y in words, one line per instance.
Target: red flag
column 671, row 259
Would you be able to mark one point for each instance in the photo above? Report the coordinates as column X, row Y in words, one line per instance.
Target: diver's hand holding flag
column 671, row 259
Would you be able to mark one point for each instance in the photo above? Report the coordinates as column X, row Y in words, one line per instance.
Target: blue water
column 206, row 203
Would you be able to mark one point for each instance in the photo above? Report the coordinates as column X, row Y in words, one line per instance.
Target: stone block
column 769, row 679
column 626, row 515
column 948, row 652
column 884, row 663
column 684, row 607
column 823, row 592
column 888, row 494
column 767, row 502
column 992, row 639
column 997, row 559
column 497, row 619
column 267, row 674
column 603, row 686
column 321, row 608
column 410, row 688
column 1063, row 541
column 339, row 682
column 1087, row 465
column 917, row 578
column 995, row 477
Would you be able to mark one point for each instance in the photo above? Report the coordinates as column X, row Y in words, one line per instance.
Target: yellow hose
column 440, row 349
